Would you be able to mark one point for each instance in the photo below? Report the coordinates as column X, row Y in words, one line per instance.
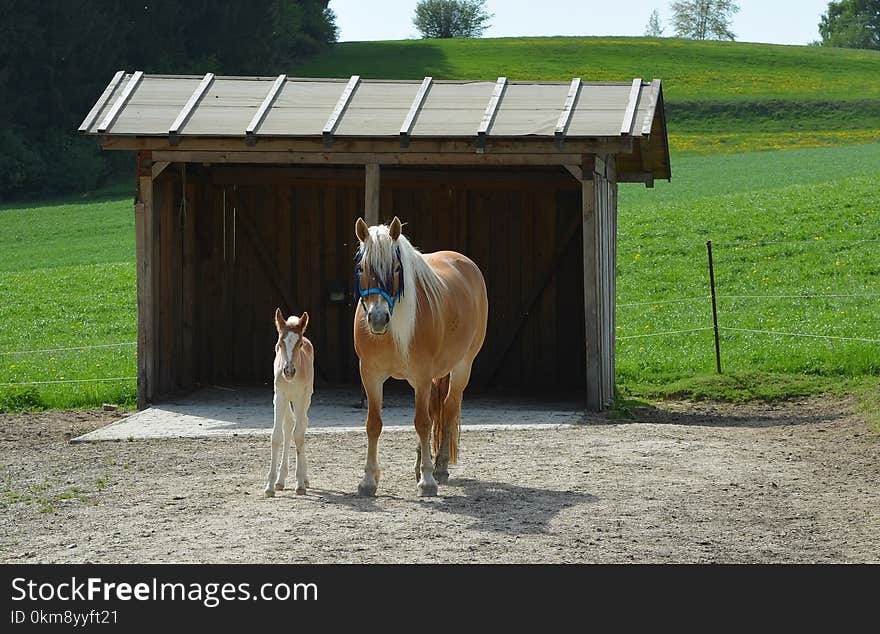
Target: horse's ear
column 361, row 230
column 279, row 320
column 394, row 229
column 303, row 323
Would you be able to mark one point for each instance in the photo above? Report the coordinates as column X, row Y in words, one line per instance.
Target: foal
column 294, row 384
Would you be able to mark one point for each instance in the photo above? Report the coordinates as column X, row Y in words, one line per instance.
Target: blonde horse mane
column 378, row 253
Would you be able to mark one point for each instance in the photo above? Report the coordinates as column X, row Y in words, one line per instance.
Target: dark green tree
column 851, row 24
column 56, row 56
column 451, row 18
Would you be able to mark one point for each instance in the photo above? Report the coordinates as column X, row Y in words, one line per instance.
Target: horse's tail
column 439, row 391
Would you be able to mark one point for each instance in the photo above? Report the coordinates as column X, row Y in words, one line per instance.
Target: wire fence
column 656, row 301
column 715, row 297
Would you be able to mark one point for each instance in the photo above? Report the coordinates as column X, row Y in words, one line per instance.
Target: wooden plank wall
column 215, row 296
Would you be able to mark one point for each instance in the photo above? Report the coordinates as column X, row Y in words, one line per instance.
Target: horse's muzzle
column 378, row 321
column 288, row 373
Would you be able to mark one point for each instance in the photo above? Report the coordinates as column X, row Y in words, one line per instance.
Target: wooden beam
column 362, row 158
column 636, row 177
column 630, row 112
column 371, row 194
column 339, row 109
column 513, row 329
column 414, row 109
column 251, row 130
column 382, row 145
column 508, row 179
column 102, row 101
column 120, row 102
column 189, row 107
column 576, row 171
column 159, row 167
column 491, row 110
column 567, row 110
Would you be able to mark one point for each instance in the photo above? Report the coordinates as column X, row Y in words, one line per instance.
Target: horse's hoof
column 300, row 490
column 269, row 493
column 427, row 490
column 279, row 486
column 442, row 477
column 366, row 490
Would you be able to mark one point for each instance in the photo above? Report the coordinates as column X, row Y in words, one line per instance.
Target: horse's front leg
column 373, row 388
column 277, row 440
column 289, row 420
column 427, row 483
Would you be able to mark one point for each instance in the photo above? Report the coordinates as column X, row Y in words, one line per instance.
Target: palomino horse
column 294, row 383
column 421, row 317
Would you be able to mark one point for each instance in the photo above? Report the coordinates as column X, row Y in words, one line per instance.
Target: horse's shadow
column 508, row 508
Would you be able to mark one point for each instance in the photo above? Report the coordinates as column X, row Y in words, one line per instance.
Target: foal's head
column 290, row 339
column 378, row 272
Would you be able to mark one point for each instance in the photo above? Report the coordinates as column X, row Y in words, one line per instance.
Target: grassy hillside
column 720, row 96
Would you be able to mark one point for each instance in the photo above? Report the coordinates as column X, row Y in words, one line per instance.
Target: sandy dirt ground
column 682, row 483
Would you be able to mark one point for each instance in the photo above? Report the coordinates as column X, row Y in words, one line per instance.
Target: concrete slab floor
column 235, row 411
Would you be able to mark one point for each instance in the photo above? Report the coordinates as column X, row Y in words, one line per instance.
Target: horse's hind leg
column 439, row 392
column 427, row 483
column 451, row 418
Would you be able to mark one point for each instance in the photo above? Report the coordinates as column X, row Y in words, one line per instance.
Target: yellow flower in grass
column 817, row 238
column 837, row 263
column 12, row 367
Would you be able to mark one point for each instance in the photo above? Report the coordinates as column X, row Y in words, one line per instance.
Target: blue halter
column 383, row 284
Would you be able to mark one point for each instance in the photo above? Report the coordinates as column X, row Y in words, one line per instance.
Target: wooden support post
column 371, row 194
column 599, row 200
column 144, row 247
column 591, row 286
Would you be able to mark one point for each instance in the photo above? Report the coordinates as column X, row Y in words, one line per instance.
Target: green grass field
column 797, row 219
column 720, row 96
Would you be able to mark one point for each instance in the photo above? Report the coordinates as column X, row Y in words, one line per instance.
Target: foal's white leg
column 299, row 437
column 277, row 439
column 289, row 422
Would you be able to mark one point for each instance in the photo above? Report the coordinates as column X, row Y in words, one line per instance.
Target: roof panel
column 528, row 109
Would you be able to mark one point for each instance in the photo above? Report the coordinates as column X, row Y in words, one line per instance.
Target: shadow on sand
column 506, row 508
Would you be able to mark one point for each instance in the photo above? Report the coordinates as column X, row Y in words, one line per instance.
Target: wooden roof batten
column 339, row 110
column 489, row 114
column 250, row 133
column 189, row 107
column 567, row 108
column 630, row 113
column 410, row 121
column 102, row 101
column 108, row 121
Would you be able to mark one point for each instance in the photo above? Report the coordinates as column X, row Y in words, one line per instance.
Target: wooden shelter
column 248, row 189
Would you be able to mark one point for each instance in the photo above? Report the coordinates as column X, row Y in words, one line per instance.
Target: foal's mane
column 417, row 277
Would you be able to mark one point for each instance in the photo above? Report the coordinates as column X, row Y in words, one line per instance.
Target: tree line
column 57, row 56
